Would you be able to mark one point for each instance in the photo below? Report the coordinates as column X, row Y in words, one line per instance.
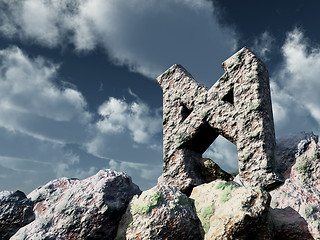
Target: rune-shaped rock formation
column 237, row 106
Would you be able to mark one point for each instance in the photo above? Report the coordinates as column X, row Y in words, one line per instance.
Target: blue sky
column 77, row 83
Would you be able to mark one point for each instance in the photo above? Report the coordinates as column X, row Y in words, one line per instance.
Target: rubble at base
column 92, row 208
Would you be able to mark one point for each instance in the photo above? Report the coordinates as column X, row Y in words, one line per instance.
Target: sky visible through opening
column 77, row 78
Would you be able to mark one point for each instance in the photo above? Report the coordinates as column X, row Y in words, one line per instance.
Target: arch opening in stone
column 224, row 153
column 202, row 139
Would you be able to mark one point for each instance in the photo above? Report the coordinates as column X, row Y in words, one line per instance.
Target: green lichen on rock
column 237, row 61
column 308, row 211
column 304, row 167
column 204, row 114
column 211, row 171
column 180, row 138
column 206, row 215
column 227, row 189
column 154, row 200
column 315, row 155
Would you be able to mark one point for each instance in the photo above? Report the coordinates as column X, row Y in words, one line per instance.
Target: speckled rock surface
column 228, row 211
column 237, row 106
column 80, row 209
column 295, row 206
column 211, row 171
column 162, row 212
column 15, row 212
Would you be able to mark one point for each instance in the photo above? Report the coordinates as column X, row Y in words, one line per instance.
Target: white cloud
column 262, row 45
column 295, row 87
column 145, row 175
column 117, row 116
column 28, row 162
column 146, row 35
column 224, row 153
column 31, row 103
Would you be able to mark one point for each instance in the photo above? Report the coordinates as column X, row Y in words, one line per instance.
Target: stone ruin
column 237, row 106
column 108, row 205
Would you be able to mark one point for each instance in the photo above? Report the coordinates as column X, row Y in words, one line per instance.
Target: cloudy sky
column 77, row 78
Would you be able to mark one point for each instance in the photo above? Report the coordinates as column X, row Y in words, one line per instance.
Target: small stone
column 15, row 212
column 211, row 171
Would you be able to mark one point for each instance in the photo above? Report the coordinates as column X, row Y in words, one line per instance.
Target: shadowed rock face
column 237, row 106
column 15, row 212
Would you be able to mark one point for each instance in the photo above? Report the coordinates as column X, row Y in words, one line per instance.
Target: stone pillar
column 237, row 106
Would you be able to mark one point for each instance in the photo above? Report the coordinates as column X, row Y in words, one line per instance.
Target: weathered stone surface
column 73, row 209
column 162, row 212
column 237, row 106
column 211, row 171
column 228, row 211
column 295, row 206
column 15, row 212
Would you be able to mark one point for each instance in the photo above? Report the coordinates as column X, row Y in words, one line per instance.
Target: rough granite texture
column 162, row 212
column 73, row 209
column 228, row 211
column 15, row 212
column 295, row 206
column 237, row 106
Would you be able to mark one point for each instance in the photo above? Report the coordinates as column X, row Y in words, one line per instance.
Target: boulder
column 162, row 212
column 211, row 171
column 295, row 206
column 15, row 212
column 228, row 211
column 80, row 209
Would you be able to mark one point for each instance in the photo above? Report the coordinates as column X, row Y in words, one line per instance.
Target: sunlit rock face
column 15, row 212
column 80, row 209
column 237, row 106
column 162, row 212
column 295, row 206
column 229, row 211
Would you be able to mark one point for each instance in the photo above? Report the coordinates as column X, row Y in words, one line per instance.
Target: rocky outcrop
column 99, row 207
column 295, row 206
column 237, row 106
column 15, row 212
column 162, row 212
column 73, row 209
column 228, row 211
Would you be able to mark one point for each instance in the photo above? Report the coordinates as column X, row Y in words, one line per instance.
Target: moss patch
column 154, row 200
column 226, row 190
column 304, row 168
column 180, row 138
column 206, row 215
